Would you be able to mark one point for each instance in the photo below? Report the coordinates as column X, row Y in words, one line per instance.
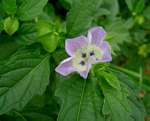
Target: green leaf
column 81, row 15
column 29, row 9
column 80, row 102
column 9, row 6
column 139, row 6
column 24, row 75
column 130, row 4
column 137, row 108
column 146, row 12
column 33, row 116
column 117, row 34
column 135, row 6
column 7, row 47
column 116, row 105
column 111, row 79
column 112, row 6
column 27, row 34
column 1, row 25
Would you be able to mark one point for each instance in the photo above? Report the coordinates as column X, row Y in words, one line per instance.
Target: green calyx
column 47, row 35
column 11, row 25
column 49, row 41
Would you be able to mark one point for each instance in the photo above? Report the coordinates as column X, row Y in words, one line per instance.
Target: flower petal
column 96, row 35
column 71, row 45
column 65, row 67
column 84, row 74
column 106, row 52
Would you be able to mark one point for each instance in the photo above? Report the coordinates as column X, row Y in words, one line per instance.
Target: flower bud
column 139, row 19
column 43, row 28
column 11, row 25
column 49, row 41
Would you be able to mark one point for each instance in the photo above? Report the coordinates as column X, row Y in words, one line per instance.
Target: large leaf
column 81, row 15
column 79, row 100
column 116, row 105
column 22, row 76
column 29, row 9
column 137, row 108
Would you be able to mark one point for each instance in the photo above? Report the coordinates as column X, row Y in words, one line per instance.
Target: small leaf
column 146, row 12
column 139, row 6
column 130, row 4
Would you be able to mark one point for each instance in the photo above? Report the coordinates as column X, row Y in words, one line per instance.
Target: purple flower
column 85, row 51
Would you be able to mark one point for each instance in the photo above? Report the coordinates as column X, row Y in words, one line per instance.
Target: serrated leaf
column 29, row 9
column 117, row 34
column 111, row 79
column 81, row 15
column 116, row 107
column 23, row 76
column 79, row 100
column 137, row 108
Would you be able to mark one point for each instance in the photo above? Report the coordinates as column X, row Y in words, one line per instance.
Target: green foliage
column 79, row 100
column 9, row 6
column 29, row 9
column 81, row 13
column 135, row 6
column 111, row 79
column 117, row 33
column 32, row 44
column 27, row 34
column 23, row 75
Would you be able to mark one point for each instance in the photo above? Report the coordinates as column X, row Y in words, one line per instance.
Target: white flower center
column 89, row 54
